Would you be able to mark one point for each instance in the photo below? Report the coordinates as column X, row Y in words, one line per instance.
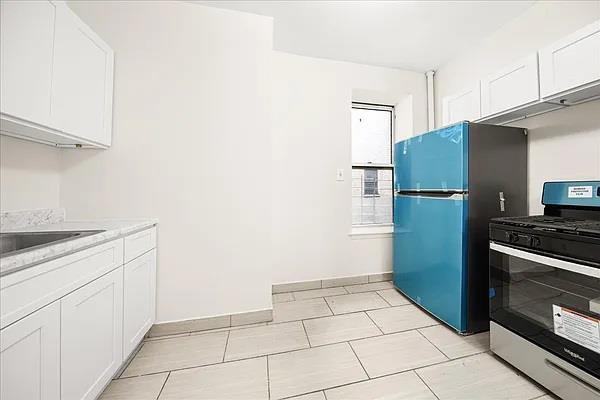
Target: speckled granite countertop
column 113, row 229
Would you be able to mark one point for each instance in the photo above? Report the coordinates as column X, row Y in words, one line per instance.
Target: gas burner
column 562, row 224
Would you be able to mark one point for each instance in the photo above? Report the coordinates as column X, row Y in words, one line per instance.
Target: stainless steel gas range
column 545, row 290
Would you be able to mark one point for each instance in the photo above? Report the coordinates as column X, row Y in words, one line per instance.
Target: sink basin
column 18, row 242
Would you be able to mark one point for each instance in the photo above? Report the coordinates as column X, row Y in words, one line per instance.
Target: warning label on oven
column 580, row 191
column 576, row 327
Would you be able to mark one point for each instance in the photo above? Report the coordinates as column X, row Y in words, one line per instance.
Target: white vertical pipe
column 429, row 75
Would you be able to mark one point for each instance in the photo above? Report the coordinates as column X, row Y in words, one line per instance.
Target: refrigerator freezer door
column 436, row 160
column 430, row 254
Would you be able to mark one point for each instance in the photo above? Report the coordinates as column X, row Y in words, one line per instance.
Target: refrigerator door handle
column 502, row 200
column 440, row 195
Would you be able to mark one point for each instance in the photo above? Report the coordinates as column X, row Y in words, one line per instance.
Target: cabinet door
column 511, row 87
column 26, row 41
column 83, row 79
column 571, row 62
column 139, row 300
column 30, row 356
column 464, row 106
column 91, row 336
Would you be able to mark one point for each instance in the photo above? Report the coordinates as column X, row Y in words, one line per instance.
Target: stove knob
column 512, row 237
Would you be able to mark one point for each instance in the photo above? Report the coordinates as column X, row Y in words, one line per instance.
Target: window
column 372, row 169
column 370, row 186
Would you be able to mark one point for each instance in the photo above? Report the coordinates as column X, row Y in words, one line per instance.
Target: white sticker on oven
column 580, row 191
column 576, row 327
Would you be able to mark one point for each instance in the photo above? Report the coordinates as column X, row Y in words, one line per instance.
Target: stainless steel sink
column 19, row 242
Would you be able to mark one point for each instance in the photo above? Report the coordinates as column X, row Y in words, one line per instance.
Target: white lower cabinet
column 91, row 336
column 139, row 299
column 30, row 356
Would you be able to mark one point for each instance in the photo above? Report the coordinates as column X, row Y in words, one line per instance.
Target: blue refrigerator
column 448, row 184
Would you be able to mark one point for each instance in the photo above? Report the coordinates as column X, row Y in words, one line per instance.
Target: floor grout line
column 379, row 294
column 358, row 358
column 328, row 306
column 268, row 379
column 163, row 385
column 332, row 287
column 433, row 344
column 312, row 347
column 267, row 356
column 384, row 376
column 374, row 323
column 323, row 390
column 306, row 333
column 226, row 343
column 425, row 383
column 290, row 351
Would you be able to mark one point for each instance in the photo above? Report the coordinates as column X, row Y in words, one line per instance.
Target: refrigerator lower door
column 430, row 254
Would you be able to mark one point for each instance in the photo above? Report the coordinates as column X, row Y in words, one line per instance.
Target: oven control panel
column 571, row 247
column 522, row 239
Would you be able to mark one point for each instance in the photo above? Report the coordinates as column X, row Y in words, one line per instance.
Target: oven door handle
column 567, row 374
column 553, row 262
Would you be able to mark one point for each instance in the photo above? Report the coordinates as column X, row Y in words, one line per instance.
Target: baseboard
column 208, row 323
column 331, row 282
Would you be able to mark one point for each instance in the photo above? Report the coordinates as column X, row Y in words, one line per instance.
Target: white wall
column 191, row 146
column 29, row 175
column 312, row 214
column 562, row 144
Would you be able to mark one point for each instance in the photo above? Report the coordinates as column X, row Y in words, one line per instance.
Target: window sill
column 372, row 231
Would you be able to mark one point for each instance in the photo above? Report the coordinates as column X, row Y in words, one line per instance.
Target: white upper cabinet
column 513, row 86
column 464, row 106
column 572, row 64
column 83, row 69
column 56, row 76
column 26, row 42
column 30, row 356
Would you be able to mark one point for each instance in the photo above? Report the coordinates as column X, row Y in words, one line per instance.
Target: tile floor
column 359, row 342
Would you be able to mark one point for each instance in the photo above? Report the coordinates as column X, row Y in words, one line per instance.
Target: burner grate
column 572, row 225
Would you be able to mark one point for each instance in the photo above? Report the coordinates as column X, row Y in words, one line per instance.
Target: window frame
column 380, row 228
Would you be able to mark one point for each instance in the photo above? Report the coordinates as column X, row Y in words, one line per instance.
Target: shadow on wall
column 570, row 120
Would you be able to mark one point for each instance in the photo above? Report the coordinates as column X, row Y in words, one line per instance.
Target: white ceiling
column 415, row 35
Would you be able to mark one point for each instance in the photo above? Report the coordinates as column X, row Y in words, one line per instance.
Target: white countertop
column 113, row 229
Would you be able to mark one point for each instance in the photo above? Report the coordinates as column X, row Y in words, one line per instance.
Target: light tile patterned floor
column 360, row 342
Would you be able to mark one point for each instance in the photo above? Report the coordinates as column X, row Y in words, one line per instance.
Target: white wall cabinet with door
column 30, row 356
column 463, row 106
column 26, row 58
column 563, row 73
column 57, row 76
column 513, row 86
column 570, row 67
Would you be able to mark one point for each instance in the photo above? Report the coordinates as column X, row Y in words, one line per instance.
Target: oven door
column 548, row 301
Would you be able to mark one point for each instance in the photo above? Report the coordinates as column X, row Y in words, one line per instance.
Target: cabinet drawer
column 139, row 243
column 26, row 291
